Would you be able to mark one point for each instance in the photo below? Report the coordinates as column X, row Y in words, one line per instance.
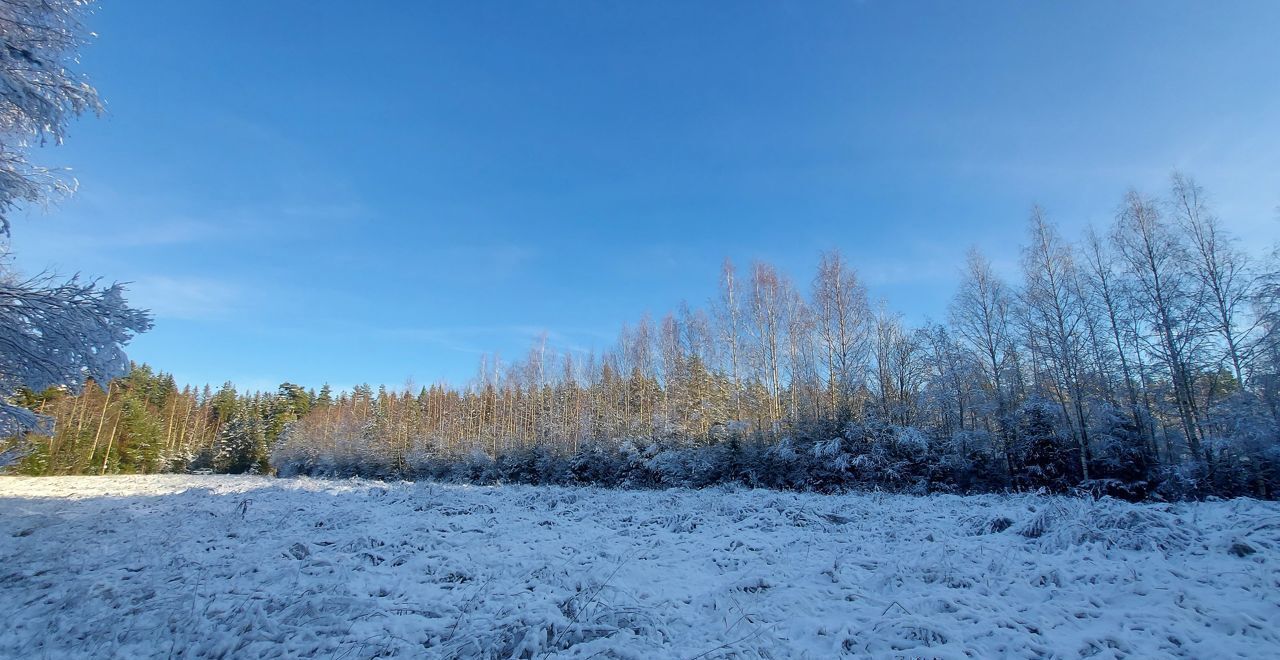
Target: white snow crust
column 255, row 567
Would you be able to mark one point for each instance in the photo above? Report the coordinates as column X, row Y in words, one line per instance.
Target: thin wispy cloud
column 185, row 298
column 491, row 339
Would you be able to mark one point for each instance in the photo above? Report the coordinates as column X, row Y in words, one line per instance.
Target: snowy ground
column 256, row 567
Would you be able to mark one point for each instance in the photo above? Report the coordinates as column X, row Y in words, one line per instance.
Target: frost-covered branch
column 58, row 334
column 39, row 94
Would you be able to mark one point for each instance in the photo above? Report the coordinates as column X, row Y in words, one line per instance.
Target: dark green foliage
column 142, row 423
column 139, row 447
column 242, row 443
column 1123, row 465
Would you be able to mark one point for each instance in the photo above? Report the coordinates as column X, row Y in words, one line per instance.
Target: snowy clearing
column 220, row 566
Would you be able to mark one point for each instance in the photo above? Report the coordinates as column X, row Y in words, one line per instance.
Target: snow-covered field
column 256, row 567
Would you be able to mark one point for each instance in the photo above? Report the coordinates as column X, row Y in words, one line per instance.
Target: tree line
column 1139, row 360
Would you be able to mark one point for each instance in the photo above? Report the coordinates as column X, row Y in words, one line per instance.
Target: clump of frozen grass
column 1056, row 523
column 592, row 619
column 1067, row 522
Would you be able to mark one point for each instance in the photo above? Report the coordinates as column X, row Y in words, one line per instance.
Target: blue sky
column 325, row 191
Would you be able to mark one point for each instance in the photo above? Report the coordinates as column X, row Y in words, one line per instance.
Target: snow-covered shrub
column 1042, row 457
column 1242, row 454
column 970, row 461
column 476, row 467
column 786, row 467
column 1122, row 464
column 610, row 465
column 534, row 465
